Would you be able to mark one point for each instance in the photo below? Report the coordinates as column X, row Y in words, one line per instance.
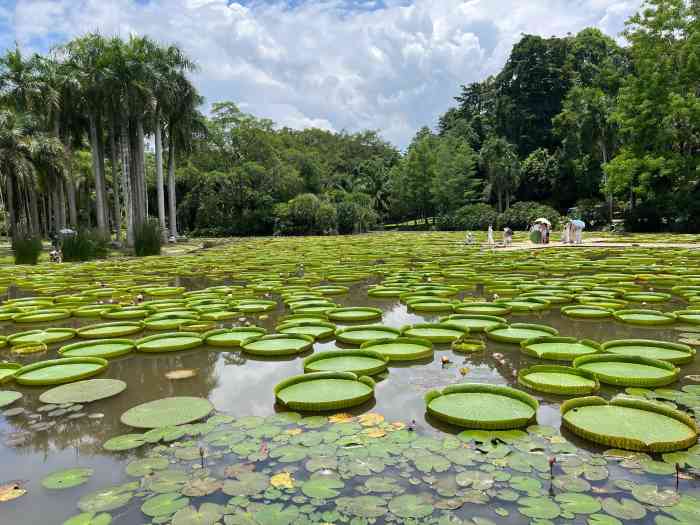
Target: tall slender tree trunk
column 11, row 210
column 70, row 187
column 115, row 182
column 135, row 181
column 125, row 180
column 61, row 203
column 97, row 174
column 34, row 211
column 160, row 194
column 172, row 205
column 142, row 165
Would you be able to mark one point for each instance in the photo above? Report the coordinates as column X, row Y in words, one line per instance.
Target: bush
column 305, row 214
column 521, row 214
column 593, row 212
column 84, row 245
column 148, row 238
column 470, row 217
column 26, row 248
column 355, row 218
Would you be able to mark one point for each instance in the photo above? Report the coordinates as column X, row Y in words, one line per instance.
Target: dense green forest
column 104, row 133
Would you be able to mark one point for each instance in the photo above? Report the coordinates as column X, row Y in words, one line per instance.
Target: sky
column 387, row 65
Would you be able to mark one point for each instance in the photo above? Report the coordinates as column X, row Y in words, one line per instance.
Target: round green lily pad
column 124, row 442
column 315, row 329
column 83, row 391
column 41, row 316
column 48, row 336
column 647, row 297
column 322, row 487
column 8, row 397
column 360, row 362
column 358, row 335
column 170, row 342
column 65, row 479
column 89, row 518
column 518, row 332
column 688, row 316
column 233, row 337
column 435, row 332
column 164, row 504
column 561, row 380
column 482, row 406
column 104, row 348
column 482, row 309
column 410, row 506
column 645, row 317
column 116, row 329
column 473, row 323
column 169, row 411
column 622, row 370
column 401, row 348
column 354, row 314
column 108, row 499
column 324, row 391
column 558, row 348
column 629, row 424
column 676, row 353
column 59, row 371
column 7, row 371
column 582, row 311
column 279, row 344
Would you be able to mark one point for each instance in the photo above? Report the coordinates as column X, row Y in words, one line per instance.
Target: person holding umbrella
column 578, row 226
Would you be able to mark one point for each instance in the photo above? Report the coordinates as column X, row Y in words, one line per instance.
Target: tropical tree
column 499, row 160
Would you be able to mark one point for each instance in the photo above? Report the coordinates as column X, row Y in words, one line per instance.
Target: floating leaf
column 362, row 506
column 107, row 499
column 322, row 487
column 89, row 518
column 577, row 503
column 370, row 419
column 164, row 504
column 410, row 506
column 652, row 495
column 246, row 484
column 184, row 373
column 169, row 411
column 282, row 480
column 206, row 514
column 143, row 467
column 65, row 479
column 341, row 418
column 541, row 508
column 8, row 397
column 83, row 391
column 200, row 487
column 625, row 509
column 124, row 442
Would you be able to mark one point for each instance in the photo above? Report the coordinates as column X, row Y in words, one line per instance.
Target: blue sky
column 390, row 65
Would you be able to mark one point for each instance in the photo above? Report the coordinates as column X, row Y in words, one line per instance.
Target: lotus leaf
column 83, row 391
column 166, row 412
column 107, row 499
column 164, row 504
column 410, row 506
column 8, row 397
column 322, row 487
column 539, row 508
column 625, row 509
column 65, row 479
column 89, row 518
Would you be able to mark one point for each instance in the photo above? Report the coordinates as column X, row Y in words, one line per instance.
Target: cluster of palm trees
column 107, row 96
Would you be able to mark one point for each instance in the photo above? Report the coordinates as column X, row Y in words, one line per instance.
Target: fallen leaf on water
column 282, row 480
column 464, row 371
column 398, row 425
column 293, row 431
column 183, row 373
column 11, row 490
column 375, row 432
column 370, row 419
column 341, row 418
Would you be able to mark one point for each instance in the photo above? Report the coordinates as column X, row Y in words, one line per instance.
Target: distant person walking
column 507, row 236
column 490, row 236
column 578, row 226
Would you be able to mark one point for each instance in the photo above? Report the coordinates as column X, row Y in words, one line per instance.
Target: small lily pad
column 164, row 504
column 625, row 508
column 65, row 479
column 322, row 487
column 410, row 506
column 169, row 411
column 8, row 397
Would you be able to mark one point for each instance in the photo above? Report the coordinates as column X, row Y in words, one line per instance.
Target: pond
column 385, row 460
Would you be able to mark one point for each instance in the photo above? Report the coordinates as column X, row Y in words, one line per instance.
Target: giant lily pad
column 558, row 348
column 169, row 411
column 562, row 380
column 360, row 362
column 518, row 332
column 7, row 371
column 104, row 348
column 621, row 370
column 59, row 371
column 324, row 391
column 401, row 348
column 233, row 337
column 48, row 336
column 358, row 335
column 666, row 351
column 278, row 344
column 645, row 317
column 629, row 424
column 315, row 329
column 83, row 391
column 354, row 314
column 474, row 405
column 169, row 342
column 435, row 332
column 116, row 329
column 473, row 323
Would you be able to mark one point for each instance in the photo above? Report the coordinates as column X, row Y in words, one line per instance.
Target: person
column 469, row 239
column 490, row 236
column 507, row 236
column 578, row 233
column 565, row 233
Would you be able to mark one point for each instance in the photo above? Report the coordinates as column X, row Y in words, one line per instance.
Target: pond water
column 241, row 385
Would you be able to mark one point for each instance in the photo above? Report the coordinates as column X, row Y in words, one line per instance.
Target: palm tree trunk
column 135, row 181
column 172, row 205
column 115, row 183
column 126, row 189
column 61, row 204
column 97, row 174
column 11, row 206
column 142, row 165
column 34, row 211
column 70, row 187
column 160, row 195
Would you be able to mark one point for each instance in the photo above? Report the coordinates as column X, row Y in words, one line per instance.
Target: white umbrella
column 543, row 220
column 579, row 223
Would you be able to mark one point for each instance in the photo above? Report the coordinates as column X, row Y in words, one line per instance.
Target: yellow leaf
column 282, row 480
column 293, row 431
column 557, row 439
column 341, row 418
column 183, row 373
column 11, row 491
column 370, row 419
column 398, row 425
column 375, row 432
column 464, row 371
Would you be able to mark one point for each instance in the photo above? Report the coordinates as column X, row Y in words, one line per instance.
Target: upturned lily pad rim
column 129, row 346
column 670, row 377
column 558, row 389
column 583, row 311
column 475, row 317
column 232, row 343
column 464, row 308
column 341, row 336
column 320, row 356
column 65, row 334
column 414, row 356
column 128, row 328
column 505, row 424
column 189, row 340
column 668, row 317
column 9, row 366
column 557, row 356
column 629, row 444
column 103, row 363
column 437, row 326
column 314, row 406
column 308, row 343
column 42, row 316
column 609, row 347
column 327, row 333
column 490, row 332
column 338, row 314
column 535, row 304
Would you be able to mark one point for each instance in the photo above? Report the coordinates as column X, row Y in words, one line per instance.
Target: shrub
column 521, row 214
column 85, row 245
column 305, row 214
column 26, row 248
column 148, row 238
column 355, row 218
column 593, row 212
column 472, row 217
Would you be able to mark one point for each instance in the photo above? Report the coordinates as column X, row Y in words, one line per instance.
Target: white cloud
column 392, row 66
